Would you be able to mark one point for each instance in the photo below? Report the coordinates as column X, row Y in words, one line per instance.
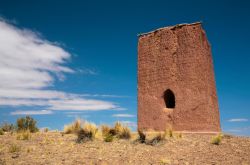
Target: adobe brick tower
column 176, row 84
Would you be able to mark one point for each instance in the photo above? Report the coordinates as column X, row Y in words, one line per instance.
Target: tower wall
column 177, row 58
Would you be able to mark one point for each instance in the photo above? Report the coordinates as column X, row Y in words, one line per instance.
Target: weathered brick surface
column 177, row 58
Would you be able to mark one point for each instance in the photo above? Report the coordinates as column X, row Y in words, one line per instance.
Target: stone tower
column 176, row 84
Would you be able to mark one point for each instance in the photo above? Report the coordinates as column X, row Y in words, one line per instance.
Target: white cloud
column 29, row 66
column 243, row 130
column 123, row 115
column 121, row 108
column 81, row 104
column 87, row 71
column 28, row 61
column 79, row 112
column 107, row 96
column 79, row 116
column 41, row 112
column 31, row 93
column 238, row 120
column 129, row 123
column 22, row 102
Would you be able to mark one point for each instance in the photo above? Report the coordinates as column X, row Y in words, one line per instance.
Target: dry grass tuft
column 73, row 127
column 1, row 131
column 112, row 132
column 118, row 131
column 83, row 136
column 105, row 130
column 29, row 150
column 47, row 140
column 90, row 127
column 227, row 136
column 14, row 148
column 6, row 127
column 118, row 128
column 108, row 133
column 125, row 133
column 217, row 139
column 46, row 129
column 121, row 131
column 142, row 136
column 179, row 135
column 165, row 161
column 23, row 135
column 157, row 139
column 108, row 137
column 88, row 132
column 169, row 133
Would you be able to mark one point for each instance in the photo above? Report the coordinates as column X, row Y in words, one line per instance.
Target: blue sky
column 92, row 74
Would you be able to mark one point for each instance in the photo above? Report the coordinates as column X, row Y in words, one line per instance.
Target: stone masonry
column 176, row 84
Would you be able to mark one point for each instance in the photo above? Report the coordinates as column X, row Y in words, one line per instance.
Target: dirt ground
column 53, row 148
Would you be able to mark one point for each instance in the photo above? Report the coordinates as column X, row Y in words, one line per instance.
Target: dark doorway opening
column 169, row 98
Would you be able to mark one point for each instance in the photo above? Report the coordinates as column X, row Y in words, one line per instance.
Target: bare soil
column 53, row 148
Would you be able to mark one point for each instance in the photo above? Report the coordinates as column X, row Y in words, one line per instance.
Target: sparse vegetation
column 227, row 136
column 108, row 137
column 73, row 127
column 105, row 129
column 118, row 131
column 47, row 140
column 90, row 127
column 29, row 150
column 51, row 147
column 83, row 135
column 125, row 133
column 165, row 161
column 118, row 128
column 179, row 135
column 84, row 131
column 108, row 133
column 46, row 129
column 1, row 131
column 14, row 148
column 23, row 135
column 157, row 139
column 169, row 133
column 6, row 127
column 1, row 149
column 26, row 123
column 113, row 132
column 217, row 139
column 142, row 136
column 88, row 132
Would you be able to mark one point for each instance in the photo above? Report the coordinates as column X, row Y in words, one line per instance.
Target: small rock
column 15, row 156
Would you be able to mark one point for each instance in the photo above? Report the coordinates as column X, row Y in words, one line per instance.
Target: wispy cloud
column 131, row 124
column 239, row 130
column 87, row 71
column 123, row 115
column 41, row 112
column 74, row 112
column 238, row 120
column 79, row 116
column 107, row 96
column 80, row 104
column 29, row 66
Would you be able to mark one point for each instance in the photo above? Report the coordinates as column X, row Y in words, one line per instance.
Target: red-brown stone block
column 176, row 84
